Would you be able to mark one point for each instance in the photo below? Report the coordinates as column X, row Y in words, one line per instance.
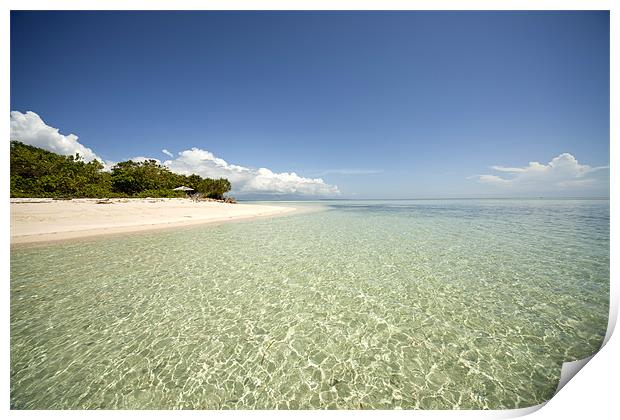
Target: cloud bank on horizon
column 247, row 180
column 562, row 173
column 30, row 129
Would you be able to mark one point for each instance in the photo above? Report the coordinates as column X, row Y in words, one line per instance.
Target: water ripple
column 463, row 304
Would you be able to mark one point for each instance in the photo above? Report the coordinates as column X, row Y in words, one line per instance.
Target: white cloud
column 248, row 180
column 514, row 170
column 563, row 172
column 30, row 129
column 492, row 179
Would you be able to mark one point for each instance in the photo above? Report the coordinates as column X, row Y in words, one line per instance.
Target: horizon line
column 423, row 198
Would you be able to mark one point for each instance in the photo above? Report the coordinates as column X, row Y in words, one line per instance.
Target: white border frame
column 592, row 393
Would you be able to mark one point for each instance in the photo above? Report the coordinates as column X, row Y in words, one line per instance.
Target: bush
column 160, row 193
column 38, row 173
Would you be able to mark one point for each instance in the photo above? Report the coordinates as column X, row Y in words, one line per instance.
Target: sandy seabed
column 42, row 220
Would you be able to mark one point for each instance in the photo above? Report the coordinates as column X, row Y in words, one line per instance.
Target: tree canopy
column 39, row 173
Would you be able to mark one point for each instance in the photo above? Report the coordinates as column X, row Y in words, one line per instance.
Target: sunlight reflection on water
column 412, row 304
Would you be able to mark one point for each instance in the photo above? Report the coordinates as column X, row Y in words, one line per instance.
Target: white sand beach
column 43, row 220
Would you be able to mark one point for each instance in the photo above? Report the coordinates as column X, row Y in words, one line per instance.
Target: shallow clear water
column 412, row 304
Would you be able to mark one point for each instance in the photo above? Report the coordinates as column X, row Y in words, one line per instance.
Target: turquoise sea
column 355, row 304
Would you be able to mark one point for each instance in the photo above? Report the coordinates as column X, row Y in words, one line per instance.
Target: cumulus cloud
column 248, row 180
column 30, row 129
column 563, row 172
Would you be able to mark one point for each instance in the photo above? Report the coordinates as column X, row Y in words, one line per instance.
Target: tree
column 38, row 173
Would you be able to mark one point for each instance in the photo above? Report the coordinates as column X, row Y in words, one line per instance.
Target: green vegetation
column 38, row 173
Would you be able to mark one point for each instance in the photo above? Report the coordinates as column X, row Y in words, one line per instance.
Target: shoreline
column 41, row 220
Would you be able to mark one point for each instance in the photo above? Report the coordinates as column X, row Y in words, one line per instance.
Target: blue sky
column 376, row 104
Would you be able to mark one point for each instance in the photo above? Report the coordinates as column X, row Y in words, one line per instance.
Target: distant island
column 39, row 173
